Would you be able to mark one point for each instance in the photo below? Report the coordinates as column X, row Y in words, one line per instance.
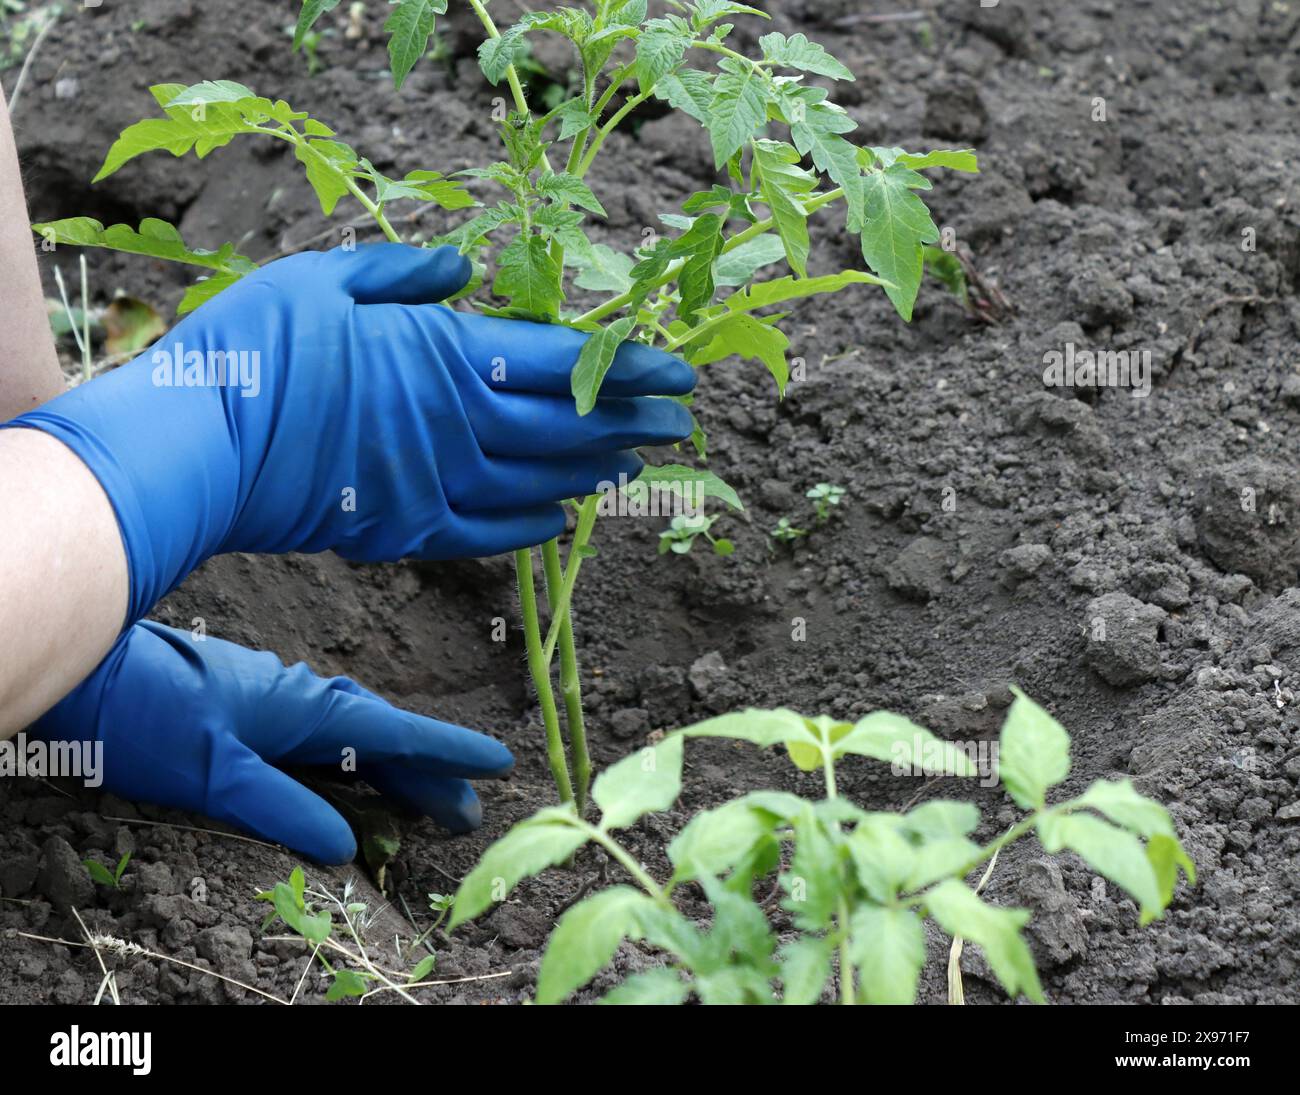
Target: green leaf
column 897, row 225
column 888, row 948
column 574, row 117
column 1167, row 857
column 99, row 873
column 1120, row 802
column 654, row 987
column 1108, row 850
column 942, row 818
column 659, row 49
column 425, row 186
column 410, row 25
column 569, row 188
column 346, row 983
column 700, row 245
column 594, row 361
column 688, row 90
column 175, row 135
column 882, row 856
column 585, row 939
column 311, row 11
column 154, row 237
column 682, row 481
column 738, row 266
column 422, row 969
column 885, row 736
column 963, row 159
column 647, row 781
column 716, row 840
column 496, row 55
column 1033, row 753
column 748, row 337
column 329, row 166
column 738, row 108
column 529, row 277
column 960, row 912
column 761, row 728
column 204, row 290
column 941, row 857
column 812, row 882
column 783, row 185
column 765, row 293
column 805, row 968
column 541, row 841
column 288, row 902
column 797, row 52
column 601, row 268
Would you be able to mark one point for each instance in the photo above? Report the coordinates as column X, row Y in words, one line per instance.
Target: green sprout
column 679, row 537
column 825, row 497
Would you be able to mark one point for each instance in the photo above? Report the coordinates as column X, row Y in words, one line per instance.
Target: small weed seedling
column 858, row 885
column 679, row 537
column 716, row 280
column 103, row 875
column 825, row 497
column 307, row 913
column 786, row 533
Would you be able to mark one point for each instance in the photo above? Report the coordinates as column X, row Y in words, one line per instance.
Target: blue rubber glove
column 375, row 423
column 198, row 724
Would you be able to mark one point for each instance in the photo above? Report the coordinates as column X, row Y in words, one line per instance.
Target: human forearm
column 63, row 578
column 29, row 367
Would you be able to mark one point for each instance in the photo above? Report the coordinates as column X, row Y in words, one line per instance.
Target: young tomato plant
column 858, row 885
column 716, row 286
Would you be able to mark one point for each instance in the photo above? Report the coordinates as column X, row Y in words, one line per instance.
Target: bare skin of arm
column 63, row 577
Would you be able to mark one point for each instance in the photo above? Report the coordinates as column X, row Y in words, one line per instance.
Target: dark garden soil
column 990, row 523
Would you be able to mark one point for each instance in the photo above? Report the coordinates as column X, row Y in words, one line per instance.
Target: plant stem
column 512, row 73
column 560, row 610
column 626, row 860
column 540, row 669
column 847, row 993
column 609, row 127
column 570, row 681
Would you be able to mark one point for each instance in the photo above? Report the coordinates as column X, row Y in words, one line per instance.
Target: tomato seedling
column 716, row 282
column 858, row 885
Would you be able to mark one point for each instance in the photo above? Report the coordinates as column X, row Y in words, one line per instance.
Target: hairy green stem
column 570, row 681
column 604, row 131
column 539, row 668
column 512, row 73
column 560, row 610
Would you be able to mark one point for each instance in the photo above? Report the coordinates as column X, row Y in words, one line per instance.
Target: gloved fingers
column 396, row 273
column 518, row 424
column 261, row 799
column 378, row 731
column 451, row 802
column 491, row 532
column 509, row 481
column 515, row 355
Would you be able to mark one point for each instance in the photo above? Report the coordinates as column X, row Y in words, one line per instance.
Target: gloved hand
column 198, row 724
column 354, row 415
